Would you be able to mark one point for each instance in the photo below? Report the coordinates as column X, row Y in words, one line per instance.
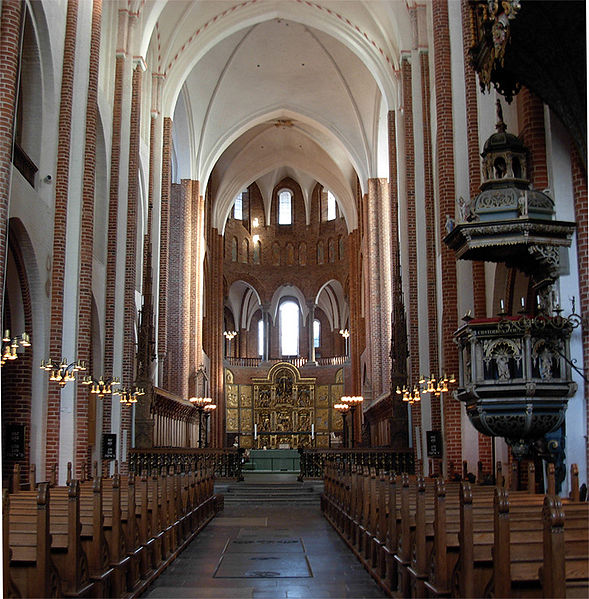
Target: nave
column 266, row 550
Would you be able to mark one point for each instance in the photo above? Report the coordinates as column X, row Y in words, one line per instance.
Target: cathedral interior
column 288, row 235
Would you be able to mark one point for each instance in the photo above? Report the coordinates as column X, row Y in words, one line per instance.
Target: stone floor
column 266, row 551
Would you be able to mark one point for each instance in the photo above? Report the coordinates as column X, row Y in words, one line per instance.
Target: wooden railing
column 298, row 362
column 226, row 463
column 313, row 461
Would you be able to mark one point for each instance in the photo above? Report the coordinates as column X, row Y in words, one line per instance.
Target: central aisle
column 266, row 551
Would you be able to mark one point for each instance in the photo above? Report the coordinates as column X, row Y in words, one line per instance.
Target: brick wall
column 16, row 374
column 10, row 20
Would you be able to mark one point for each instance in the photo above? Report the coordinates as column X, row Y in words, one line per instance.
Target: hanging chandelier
column 11, row 344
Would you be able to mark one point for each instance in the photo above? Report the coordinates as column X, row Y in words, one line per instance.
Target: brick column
column 60, row 230
column 474, row 179
column 411, row 224
column 83, row 440
column 533, row 134
column 377, row 304
column 216, row 337
column 112, row 236
column 10, row 26
column 162, row 330
column 445, row 153
column 194, row 338
column 430, row 219
column 581, row 211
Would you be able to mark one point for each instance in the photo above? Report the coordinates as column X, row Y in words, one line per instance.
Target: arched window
column 289, row 328
column 257, row 251
column 285, row 207
column 261, row 337
column 238, row 208
column 330, row 206
column 316, row 333
column 234, row 249
column 245, row 251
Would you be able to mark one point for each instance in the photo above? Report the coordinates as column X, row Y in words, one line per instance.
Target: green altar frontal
column 274, row 460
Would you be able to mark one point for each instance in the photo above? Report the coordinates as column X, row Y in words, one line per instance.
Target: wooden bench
column 565, row 568
column 31, row 567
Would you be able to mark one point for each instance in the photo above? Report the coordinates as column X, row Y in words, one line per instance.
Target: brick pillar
column 112, row 236
column 533, row 134
column 430, row 219
column 445, row 153
column 162, row 330
column 194, row 338
column 413, row 320
column 83, row 455
column 399, row 423
column 379, row 305
column 10, row 25
column 216, row 337
column 474, row 180
column 581, row 211
column 60, row 230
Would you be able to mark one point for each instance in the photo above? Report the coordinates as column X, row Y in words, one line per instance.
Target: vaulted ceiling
column 266, row 88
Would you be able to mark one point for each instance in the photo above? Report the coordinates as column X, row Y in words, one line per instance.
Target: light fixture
column 256, row 238
column 10, row 345
column 228, row 335
column 343, row 409
column 63, row 372
column 129, row 396
column 202, row 404
column 353, row 401
column 102, row 386
column 433, row 385
column 255, row 223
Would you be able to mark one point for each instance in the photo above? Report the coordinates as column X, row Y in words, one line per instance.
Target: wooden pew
column 31, row 566
column 9, row 589
column 565, row 568
column 66, row 546
column 93, row 537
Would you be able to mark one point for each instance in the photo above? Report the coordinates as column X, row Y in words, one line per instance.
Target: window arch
column 234, row 249
column 238, row 207
column 289, row 328
column 245, row 248
column 331, row 206
column 257, row 251
column 285, row 207
column 316, row 333
column 261, row 337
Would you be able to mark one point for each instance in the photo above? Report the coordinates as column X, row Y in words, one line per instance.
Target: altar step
column 305, row 493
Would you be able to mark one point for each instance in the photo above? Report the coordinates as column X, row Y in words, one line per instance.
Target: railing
column 298, row 362
column 313, row 460
column 226, row 463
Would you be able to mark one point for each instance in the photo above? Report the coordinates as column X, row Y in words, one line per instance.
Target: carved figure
column 502, row 361
column 522, row 204
column 545, row 364
column 449, row 226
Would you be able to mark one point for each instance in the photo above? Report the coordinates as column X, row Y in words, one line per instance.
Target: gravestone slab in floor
column 263, row 565
column 265, row 544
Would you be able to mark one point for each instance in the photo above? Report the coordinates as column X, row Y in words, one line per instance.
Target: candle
column 523, row 304
column 255, row 431
column 312, row 431
column 501, row 303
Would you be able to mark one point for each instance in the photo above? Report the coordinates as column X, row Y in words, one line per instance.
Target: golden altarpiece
column 283, row 410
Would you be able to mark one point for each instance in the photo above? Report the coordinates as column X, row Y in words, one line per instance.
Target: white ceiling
column 261, row 88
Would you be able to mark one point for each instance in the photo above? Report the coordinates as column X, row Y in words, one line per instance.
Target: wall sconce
column 229, row 336
column 64, row 372
column 345, row 333
column 10, row 345
column 102, row 387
